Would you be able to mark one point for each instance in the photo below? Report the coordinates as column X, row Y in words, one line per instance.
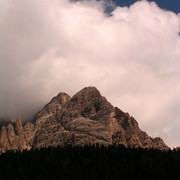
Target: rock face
column 86, row 118
column 16, row 138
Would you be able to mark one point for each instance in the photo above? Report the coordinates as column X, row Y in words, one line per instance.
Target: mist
column 131, row 55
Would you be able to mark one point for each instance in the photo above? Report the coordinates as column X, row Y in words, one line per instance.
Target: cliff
column 86, row 118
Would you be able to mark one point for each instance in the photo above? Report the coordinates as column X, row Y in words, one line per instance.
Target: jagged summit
column 86, row 118
column 88, row 103
column 91, row 92
column 62, row 98
column 17, row 137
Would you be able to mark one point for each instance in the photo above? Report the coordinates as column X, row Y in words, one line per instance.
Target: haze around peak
column 132, row 56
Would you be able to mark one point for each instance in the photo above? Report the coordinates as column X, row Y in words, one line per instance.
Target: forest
column 90, row 163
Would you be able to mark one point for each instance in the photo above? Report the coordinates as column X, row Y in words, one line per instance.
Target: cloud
column 132, row 57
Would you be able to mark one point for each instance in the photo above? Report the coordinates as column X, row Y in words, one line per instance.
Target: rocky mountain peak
column 62, row 98
column 88, row 103
column 86, row 118
column 17, row 137
column 54, row 105
column 10, row 130
column 19, row 127
column 88, row 93
column 4, row 142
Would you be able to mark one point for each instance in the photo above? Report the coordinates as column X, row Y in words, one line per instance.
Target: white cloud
column 133, row 57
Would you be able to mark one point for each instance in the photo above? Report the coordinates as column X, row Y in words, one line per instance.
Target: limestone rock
column 93, row 132
column 17, row 138
column 4, row 142
column 50, row 110
column 12, row 137
column 86, row 118
column 86, row 103
column 28, row 135
column 18, row 127
column 47, row 128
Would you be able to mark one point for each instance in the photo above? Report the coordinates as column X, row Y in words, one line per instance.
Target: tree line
column 90, row 162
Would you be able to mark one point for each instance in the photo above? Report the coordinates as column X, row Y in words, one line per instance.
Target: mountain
column 86, row 118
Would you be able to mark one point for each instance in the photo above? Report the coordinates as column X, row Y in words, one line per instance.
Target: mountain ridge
column 85, row 118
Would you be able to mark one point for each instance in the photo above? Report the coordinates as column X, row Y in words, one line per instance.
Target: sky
column 131, row 55
column 171, row 5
